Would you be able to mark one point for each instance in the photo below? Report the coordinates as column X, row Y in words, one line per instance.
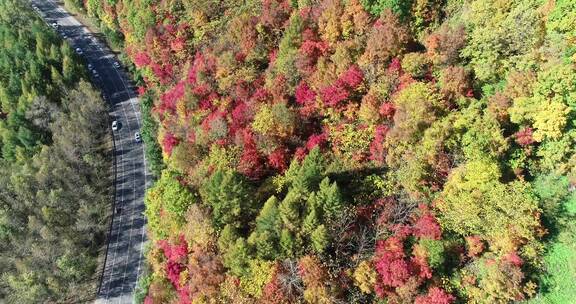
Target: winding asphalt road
column 124, row 256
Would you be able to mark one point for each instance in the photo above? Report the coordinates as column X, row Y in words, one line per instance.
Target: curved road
column 124, row 256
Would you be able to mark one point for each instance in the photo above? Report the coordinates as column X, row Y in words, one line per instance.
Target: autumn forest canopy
column 336, row 151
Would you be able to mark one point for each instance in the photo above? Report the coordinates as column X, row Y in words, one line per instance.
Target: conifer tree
column 320, row 239
column 228, row 196
column 308, row 174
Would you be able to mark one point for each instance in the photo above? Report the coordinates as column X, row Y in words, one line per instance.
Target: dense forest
column 355, row 151
column 54, row 166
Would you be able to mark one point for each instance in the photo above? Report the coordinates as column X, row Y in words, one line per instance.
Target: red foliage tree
column 305, row 97
column 260, row 95
column 352, row 78
column 169, row 99
column 241, row 90
column 279, row 159
column 176, row 256
column 272, row 292
column 377, row 152
column 524, row 137
column 387, row 110
column 339, row 91
column 173, row 271
column 178, row 44
column 202, row 64
column 208, row 120
column 251, row 163
column 148, row 300
column 304, row 94
column 194, row 67
column 395, row 66
column 141, row 59
column 402, row 267
column 392, row 269
column 310, row 50
column 427, row 227
column 164, row 73
column 240, row 118
column 334, row 95
column 272, row 56
column 206, row 102
column 169, row 142
column 275, row 13
column 314, row 140
column 177, row 252
column 514, row 259
column 313, row 49
column 435, row 296
column 202, row 89
column 300, row 153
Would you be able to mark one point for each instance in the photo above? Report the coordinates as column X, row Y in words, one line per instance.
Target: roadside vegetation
column 54, row 165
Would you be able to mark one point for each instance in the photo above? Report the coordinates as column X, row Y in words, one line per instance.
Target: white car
column 115, row 126
column 137, row 137
column 116, row 64
column 64, row 36
column 90, row 67
column 95, row 73
column 79, row 51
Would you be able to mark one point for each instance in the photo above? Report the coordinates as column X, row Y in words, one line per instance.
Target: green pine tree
column 227, row 238
column 227, row 194
column 330, row 198
column 287, row 243
column 320, row 239
column 269, row 217
column 310, row 222
column 237, row 258
column 290, row 210
column 309, row 173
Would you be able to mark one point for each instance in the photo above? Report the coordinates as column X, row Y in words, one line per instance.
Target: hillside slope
column 355, row 151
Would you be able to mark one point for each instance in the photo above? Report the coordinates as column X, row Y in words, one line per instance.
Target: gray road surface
column 124, row 258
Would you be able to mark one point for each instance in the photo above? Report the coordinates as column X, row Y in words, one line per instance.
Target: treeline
column 357, row 151
column 54, row 165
